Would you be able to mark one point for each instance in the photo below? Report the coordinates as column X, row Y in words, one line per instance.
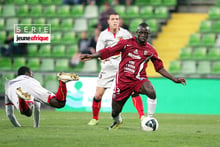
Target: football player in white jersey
column 109, row 67
column 26, row 94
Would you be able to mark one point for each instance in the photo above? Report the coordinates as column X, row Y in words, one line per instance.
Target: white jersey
column 29, row 85
column 109, row 68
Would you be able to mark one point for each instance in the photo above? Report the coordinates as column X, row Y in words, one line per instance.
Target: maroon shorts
column 124, row 89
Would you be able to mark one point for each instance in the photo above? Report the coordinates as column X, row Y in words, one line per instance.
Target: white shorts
column 108, row 73
column 105, row 79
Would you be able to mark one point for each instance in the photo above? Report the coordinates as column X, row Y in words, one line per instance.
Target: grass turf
column 70, row 129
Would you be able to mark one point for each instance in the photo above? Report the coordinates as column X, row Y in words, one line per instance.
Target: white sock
column 151, row 105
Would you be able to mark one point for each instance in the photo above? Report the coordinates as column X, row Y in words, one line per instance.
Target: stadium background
column 185, row 34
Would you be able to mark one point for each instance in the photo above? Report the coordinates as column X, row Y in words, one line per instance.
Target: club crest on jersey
column 120, row 38
column 135, row 51
column 145, row 52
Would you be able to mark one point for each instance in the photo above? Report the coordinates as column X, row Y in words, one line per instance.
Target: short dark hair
column 112, row 13
column 144, row 25
column 23, row 70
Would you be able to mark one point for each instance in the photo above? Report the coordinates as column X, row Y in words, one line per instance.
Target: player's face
column 113, row 21
column 142, row 34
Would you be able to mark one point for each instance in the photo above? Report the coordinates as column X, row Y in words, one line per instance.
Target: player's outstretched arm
column 86, row 57
column 166, row 74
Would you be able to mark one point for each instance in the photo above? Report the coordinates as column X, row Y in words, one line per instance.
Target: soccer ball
column 149, row 124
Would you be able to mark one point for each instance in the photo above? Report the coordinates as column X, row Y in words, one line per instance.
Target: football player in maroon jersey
column 132, row 76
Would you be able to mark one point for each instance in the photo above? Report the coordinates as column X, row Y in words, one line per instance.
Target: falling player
column 131, row 76
column 24, row 92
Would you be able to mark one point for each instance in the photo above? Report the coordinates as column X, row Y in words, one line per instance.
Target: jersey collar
column 114, row 33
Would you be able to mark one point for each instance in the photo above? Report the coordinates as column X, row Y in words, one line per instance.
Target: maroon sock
column 23, row 105
column 61, row 92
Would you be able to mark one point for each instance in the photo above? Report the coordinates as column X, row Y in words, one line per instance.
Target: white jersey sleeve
column 100, row 42
column 127, row 34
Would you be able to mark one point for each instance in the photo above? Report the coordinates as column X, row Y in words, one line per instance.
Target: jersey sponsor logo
column 145, row 52
column 131, row 62
column 129, row 70
column 128, row 45
column 134, row 56
column 130, row 67
column 135, row 51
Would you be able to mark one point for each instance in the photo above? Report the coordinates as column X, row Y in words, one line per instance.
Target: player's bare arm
column 86, row 57
column 166, row 74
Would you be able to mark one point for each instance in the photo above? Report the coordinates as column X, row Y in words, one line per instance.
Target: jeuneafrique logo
column 32, row 33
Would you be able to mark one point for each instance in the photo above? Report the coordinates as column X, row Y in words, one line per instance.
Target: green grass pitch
column 70, row 129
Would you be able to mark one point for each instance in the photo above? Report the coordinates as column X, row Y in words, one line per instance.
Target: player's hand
column 85, row 57
column 180, row 80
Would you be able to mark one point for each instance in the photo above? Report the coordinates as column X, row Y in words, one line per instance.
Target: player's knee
column 57, row 104
column 99, row 94
column 98, row 97
column 61, row 104
column 27, row 113
column 152, row 95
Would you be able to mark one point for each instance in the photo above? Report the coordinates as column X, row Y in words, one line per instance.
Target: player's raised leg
column 148, row 89
column 66, row 77
column 59, row 99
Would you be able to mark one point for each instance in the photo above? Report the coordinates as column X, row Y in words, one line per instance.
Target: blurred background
column 185, row 33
